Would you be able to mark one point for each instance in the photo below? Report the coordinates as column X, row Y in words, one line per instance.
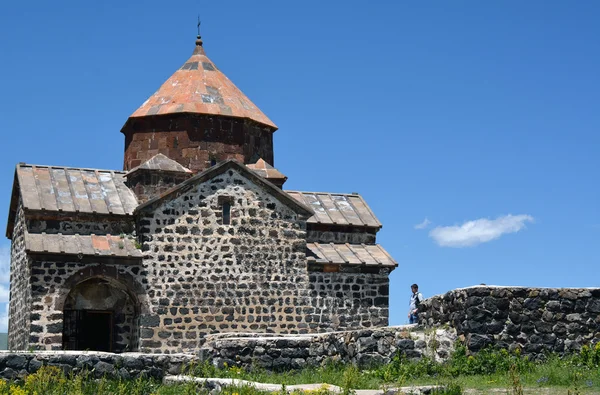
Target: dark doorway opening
column 100, row 314
column 88, row 330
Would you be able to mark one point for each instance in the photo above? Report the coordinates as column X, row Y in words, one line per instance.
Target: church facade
column 196, row 235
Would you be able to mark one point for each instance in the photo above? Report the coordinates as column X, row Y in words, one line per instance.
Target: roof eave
column 13, row 206
column 132, row 117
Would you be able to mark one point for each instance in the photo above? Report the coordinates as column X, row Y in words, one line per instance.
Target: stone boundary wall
column 99, row 364
column 536, row 320
column 364, row 348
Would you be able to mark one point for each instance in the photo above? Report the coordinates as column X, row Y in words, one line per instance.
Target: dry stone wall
column 205, row 276
column 97, row 364
column 362, row 347
column 535, row 320
column 20, row 287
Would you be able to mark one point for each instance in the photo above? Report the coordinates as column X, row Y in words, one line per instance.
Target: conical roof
column 265, row 170
column 200, row 87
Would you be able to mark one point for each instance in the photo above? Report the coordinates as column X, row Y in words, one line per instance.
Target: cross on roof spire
column 198, row 38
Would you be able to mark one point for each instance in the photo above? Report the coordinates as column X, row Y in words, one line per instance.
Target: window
column 226, row 213
column 213, row 162
column 225, row 204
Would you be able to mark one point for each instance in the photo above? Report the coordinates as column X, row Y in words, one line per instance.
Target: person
column 415, row 300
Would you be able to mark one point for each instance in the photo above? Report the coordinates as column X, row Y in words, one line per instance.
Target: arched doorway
column 100, row 314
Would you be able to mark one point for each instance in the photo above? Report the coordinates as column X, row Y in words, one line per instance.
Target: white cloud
column 426, row 222
column 482, row 230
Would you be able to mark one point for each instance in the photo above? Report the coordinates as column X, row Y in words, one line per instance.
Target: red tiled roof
column 200, row 87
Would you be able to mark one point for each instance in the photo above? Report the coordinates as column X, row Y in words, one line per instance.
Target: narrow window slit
column 226, row 213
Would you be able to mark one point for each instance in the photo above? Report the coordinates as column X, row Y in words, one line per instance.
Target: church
column 196, row 235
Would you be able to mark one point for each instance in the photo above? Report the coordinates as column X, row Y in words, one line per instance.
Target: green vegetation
column 489, row 368
column 516, row 374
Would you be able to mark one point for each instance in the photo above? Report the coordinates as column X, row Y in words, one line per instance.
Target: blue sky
column 478, row 121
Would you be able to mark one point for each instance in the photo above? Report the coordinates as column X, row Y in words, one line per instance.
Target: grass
column 485, row 372
column 578, row 373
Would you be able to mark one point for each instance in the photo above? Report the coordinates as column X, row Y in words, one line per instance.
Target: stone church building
column 196, row 235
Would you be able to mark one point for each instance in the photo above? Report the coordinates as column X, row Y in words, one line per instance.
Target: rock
column 477, row 342
column 367, row 344
column 35, row 365
column 16, row 362
column 86, row 362
column 132, row 363
column 124, row 374
column 532, row 303
column 593, row 306
column 102, row 369
column 574, row 317
column 405, row 344
column 9, row 374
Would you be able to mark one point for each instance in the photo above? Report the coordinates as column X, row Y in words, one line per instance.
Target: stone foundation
column 99, row 364
column 364, row 348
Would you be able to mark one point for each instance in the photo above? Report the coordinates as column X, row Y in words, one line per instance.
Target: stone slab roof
column 350, row 254
column 69, row 190
column 75, row 190
column 337, row 209
column 95, row 245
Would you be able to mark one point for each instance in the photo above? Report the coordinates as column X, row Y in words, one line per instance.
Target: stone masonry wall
column 206, row 277
column 20, row 287
column 533, row 319
column 362, row 347
column 51, row 284
column 99, row 364
column 147, row 184
column 193, row 140
column 72, row 226
column 352, row 235
column 344, row 301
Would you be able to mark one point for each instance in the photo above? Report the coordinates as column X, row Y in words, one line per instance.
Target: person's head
column 414, row 288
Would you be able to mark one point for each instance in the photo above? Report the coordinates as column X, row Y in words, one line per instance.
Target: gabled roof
column 70, row 190
column 337, row 209
column 220, row 168
column 162, row 163
column 350, row 254
column 265, row 170
column 200, row 87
